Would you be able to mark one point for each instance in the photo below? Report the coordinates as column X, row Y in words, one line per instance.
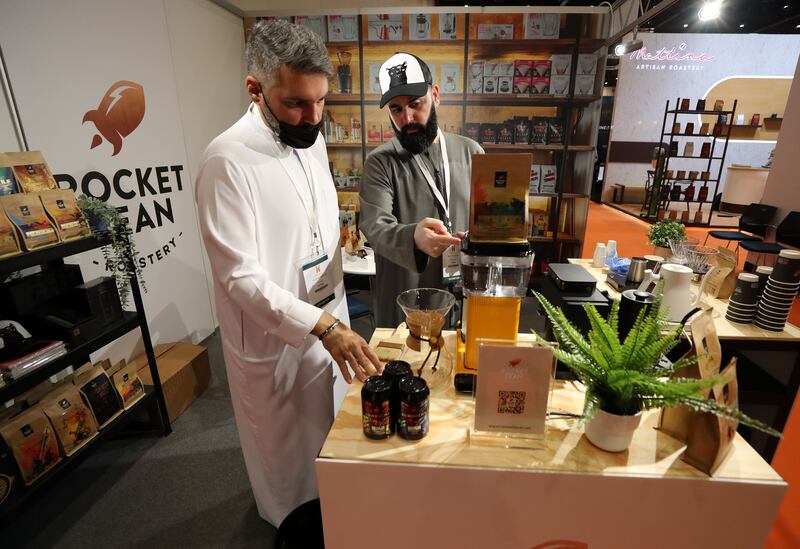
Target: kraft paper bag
column 676, row 421
column 711, row 437
column 722, row 279
column 72, row 420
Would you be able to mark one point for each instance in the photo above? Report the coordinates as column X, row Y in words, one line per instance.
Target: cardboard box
column 185, row 373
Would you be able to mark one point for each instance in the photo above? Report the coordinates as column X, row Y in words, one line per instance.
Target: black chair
column 788, row 232
column 753, row 226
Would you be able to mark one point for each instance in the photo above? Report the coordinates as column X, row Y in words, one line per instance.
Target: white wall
column 781, row 189
column 645, row 86
column 8, row 137
column 207, row 45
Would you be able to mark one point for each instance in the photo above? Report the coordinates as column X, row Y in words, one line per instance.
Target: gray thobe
column 394, row 196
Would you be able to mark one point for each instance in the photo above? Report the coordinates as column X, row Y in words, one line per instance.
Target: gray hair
column 278, row 42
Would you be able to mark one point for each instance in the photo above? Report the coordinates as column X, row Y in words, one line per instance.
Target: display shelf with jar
column 500, row 72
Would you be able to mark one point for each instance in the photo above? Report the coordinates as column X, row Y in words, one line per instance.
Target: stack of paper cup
column 744, row 300
column 779, row 294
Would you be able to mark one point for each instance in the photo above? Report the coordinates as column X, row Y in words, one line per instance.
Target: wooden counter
column 454, row 494
column 726, row 330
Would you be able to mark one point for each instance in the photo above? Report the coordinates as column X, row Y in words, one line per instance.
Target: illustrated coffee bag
column 95, row 386
column 33, row 178
column 63, row 210
column 8, row 237
column 71, row 418
column 33, row 442
column 28, row 216
column 129, row 385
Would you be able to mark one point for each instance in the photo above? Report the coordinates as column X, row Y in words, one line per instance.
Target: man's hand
column 349, row 350
column 432, row 238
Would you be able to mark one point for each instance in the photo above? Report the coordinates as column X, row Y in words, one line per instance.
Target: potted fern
column 624, row 378
column 662, row 232
column 107, row 222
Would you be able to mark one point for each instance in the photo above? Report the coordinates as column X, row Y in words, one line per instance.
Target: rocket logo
column 120, row 112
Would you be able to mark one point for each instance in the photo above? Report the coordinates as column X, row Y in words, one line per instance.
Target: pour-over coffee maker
column 426, row 311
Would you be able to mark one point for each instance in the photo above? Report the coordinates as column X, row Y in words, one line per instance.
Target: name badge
column 451, row 266
column 320, row 277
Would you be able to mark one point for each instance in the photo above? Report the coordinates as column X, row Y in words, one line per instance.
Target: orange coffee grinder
column 496, row 257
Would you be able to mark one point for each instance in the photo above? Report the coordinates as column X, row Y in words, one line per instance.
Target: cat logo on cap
column 120, row 112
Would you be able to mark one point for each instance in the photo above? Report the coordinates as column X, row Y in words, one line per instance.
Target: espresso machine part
column 631, row 304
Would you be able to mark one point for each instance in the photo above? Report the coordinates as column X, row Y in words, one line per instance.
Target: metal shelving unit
column 152, row 401
column 659, row 195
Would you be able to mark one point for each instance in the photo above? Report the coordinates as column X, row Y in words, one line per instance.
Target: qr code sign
column 511, row 402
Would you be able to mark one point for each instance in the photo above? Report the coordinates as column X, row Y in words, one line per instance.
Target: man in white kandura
column 269, row 219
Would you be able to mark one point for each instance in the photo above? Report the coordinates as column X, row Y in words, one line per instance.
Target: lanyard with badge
column 319, row 271
column 450, row 260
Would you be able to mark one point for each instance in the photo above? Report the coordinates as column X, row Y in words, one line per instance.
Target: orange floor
column 606, row 223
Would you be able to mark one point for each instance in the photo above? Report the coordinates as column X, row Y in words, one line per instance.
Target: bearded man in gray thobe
column 415, row 189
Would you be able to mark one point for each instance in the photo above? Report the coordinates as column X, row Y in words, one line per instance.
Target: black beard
column 416, row 143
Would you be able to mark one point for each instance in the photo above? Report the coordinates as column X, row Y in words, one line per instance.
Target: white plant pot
column 611, row 432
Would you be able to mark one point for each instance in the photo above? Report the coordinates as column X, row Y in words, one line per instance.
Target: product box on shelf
column 587, row 64
column 185, row 374
column 542, row 26
column 504, row 68
column 539, row 127
column 522, row 130
column 505, row 133
column 541, row 67
column 420, row 26
column 538, row 222
column 559, row 85
column 536, row 176
column 548, row 184
column 488, row 68
column 523, row 67
column 584, row 84
column 316, row 23
column 342, row 28
column 522, row 85
column 384, row 27
column 540, row 85
column 495, row 31
column 490, row 84
column 488, row 133
column 555, row 132
column 476, row 85
column 473, row 131
column 451, row 78
column 505, row 84
column 561, row 64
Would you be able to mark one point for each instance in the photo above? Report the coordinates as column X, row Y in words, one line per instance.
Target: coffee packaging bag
column 33, row 442
column 129, row 385
column 98, row 391
column 9, row 245
column 72, row 420
column 722, row 279
column 34, row 178
column 27, row 214
column 67, row 217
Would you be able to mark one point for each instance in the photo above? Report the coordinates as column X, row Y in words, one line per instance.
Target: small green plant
column 625, row 378
column 107, row 222
column 662, row 231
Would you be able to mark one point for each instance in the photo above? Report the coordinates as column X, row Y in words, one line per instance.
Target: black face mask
column 301, row 136
column 418, row 142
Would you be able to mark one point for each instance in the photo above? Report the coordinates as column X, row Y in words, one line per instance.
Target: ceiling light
column 685, row 25
column 741, row 26
column 628, row 46
column 710, row 10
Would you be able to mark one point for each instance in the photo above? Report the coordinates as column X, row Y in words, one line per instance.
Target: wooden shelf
column 343, row 99
column 544, row 45
column 562, row 237
column 67, row 463
column 693, row 135
column 734, row 126
column 509, row 99
column 696, row 157
column 342, row 45
column 343, row 145
column 563, row 195
column 678, row 111
column 522, row 147
column 129, row 322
